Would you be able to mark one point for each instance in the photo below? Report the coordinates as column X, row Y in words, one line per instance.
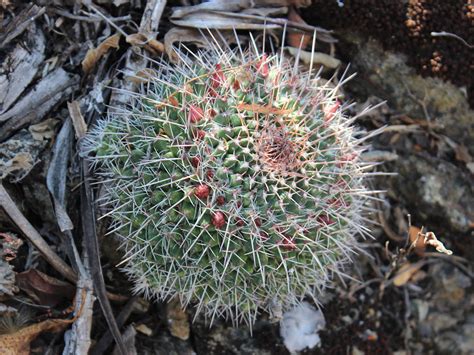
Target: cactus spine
column 234, row 179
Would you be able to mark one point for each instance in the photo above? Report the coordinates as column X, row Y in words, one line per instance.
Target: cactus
column 235, row 182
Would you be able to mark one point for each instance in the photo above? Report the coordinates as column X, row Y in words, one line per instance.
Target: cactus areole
column 235, row 182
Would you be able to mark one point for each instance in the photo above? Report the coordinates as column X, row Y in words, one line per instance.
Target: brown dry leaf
column 18, row 343
column 44, row 289
column 297, row 39
column 143, row 41
column 406, row 272
column 93, row 55
column 44, row 130
column 223, row 21
column 80, row 126
column 317, row 57
column 420, row 246
column 462, row 154
column 144, row 329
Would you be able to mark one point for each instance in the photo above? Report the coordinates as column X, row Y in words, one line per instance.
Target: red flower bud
column 239, row 222
column 211, row 113
column 199, row 134
column 218, row 77
column 196, row 114
column 236, row 85
column 288, row 243
column 209, row 173
column 202, row 191
column 263, row 236
column 262, row 66
column 220, row 200
column 195, row 161
column 218, row 219
column 330, row 112
column 173, row 101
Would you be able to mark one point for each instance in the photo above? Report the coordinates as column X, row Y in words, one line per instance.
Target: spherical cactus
column 235, row 182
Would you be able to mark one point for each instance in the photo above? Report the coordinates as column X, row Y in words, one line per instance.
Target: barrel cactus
column 234, row 181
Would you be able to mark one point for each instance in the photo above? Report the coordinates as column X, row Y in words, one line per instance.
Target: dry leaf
column 266, row 11
column 18, row 343
column 430, row 239
column 223, row 21
column 144, row 329
column 93, row 55
column 318, row 58
column 80, row 126
column 417, row 240
column 297, row 39
column 462, row 154
column 44, row 289
column 406, row 272
column 143, row 41
column 44, row 130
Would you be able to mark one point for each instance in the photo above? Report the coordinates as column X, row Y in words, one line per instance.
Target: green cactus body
column 233, row 184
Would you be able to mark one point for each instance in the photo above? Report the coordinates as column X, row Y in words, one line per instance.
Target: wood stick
column 34, row 237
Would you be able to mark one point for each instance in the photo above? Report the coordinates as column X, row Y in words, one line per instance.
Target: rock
column 222, row 338
column 437, row 189
column 387, row 75
column 178, row 323
column 451, row 315
column 164, row 344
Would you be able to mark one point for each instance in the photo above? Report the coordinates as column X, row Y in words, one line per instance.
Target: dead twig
column 19, row 23
column 122, row 317
column 452, row 35
column 90, row 18
column 92, row 246
column 34, row 237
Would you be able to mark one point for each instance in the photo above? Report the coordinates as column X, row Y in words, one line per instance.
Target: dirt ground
column 60, row 289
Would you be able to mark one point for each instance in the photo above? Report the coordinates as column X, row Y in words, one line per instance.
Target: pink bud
column 202, row 191
column 199, row 134
column 288, row 243
column 195, row 114
column 218, row 219
column 220, row 200
column 262, row 66
column 195, row 161
column 218, row 77
column 329, row 112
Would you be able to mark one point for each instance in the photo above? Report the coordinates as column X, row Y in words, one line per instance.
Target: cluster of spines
column 233, row 183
